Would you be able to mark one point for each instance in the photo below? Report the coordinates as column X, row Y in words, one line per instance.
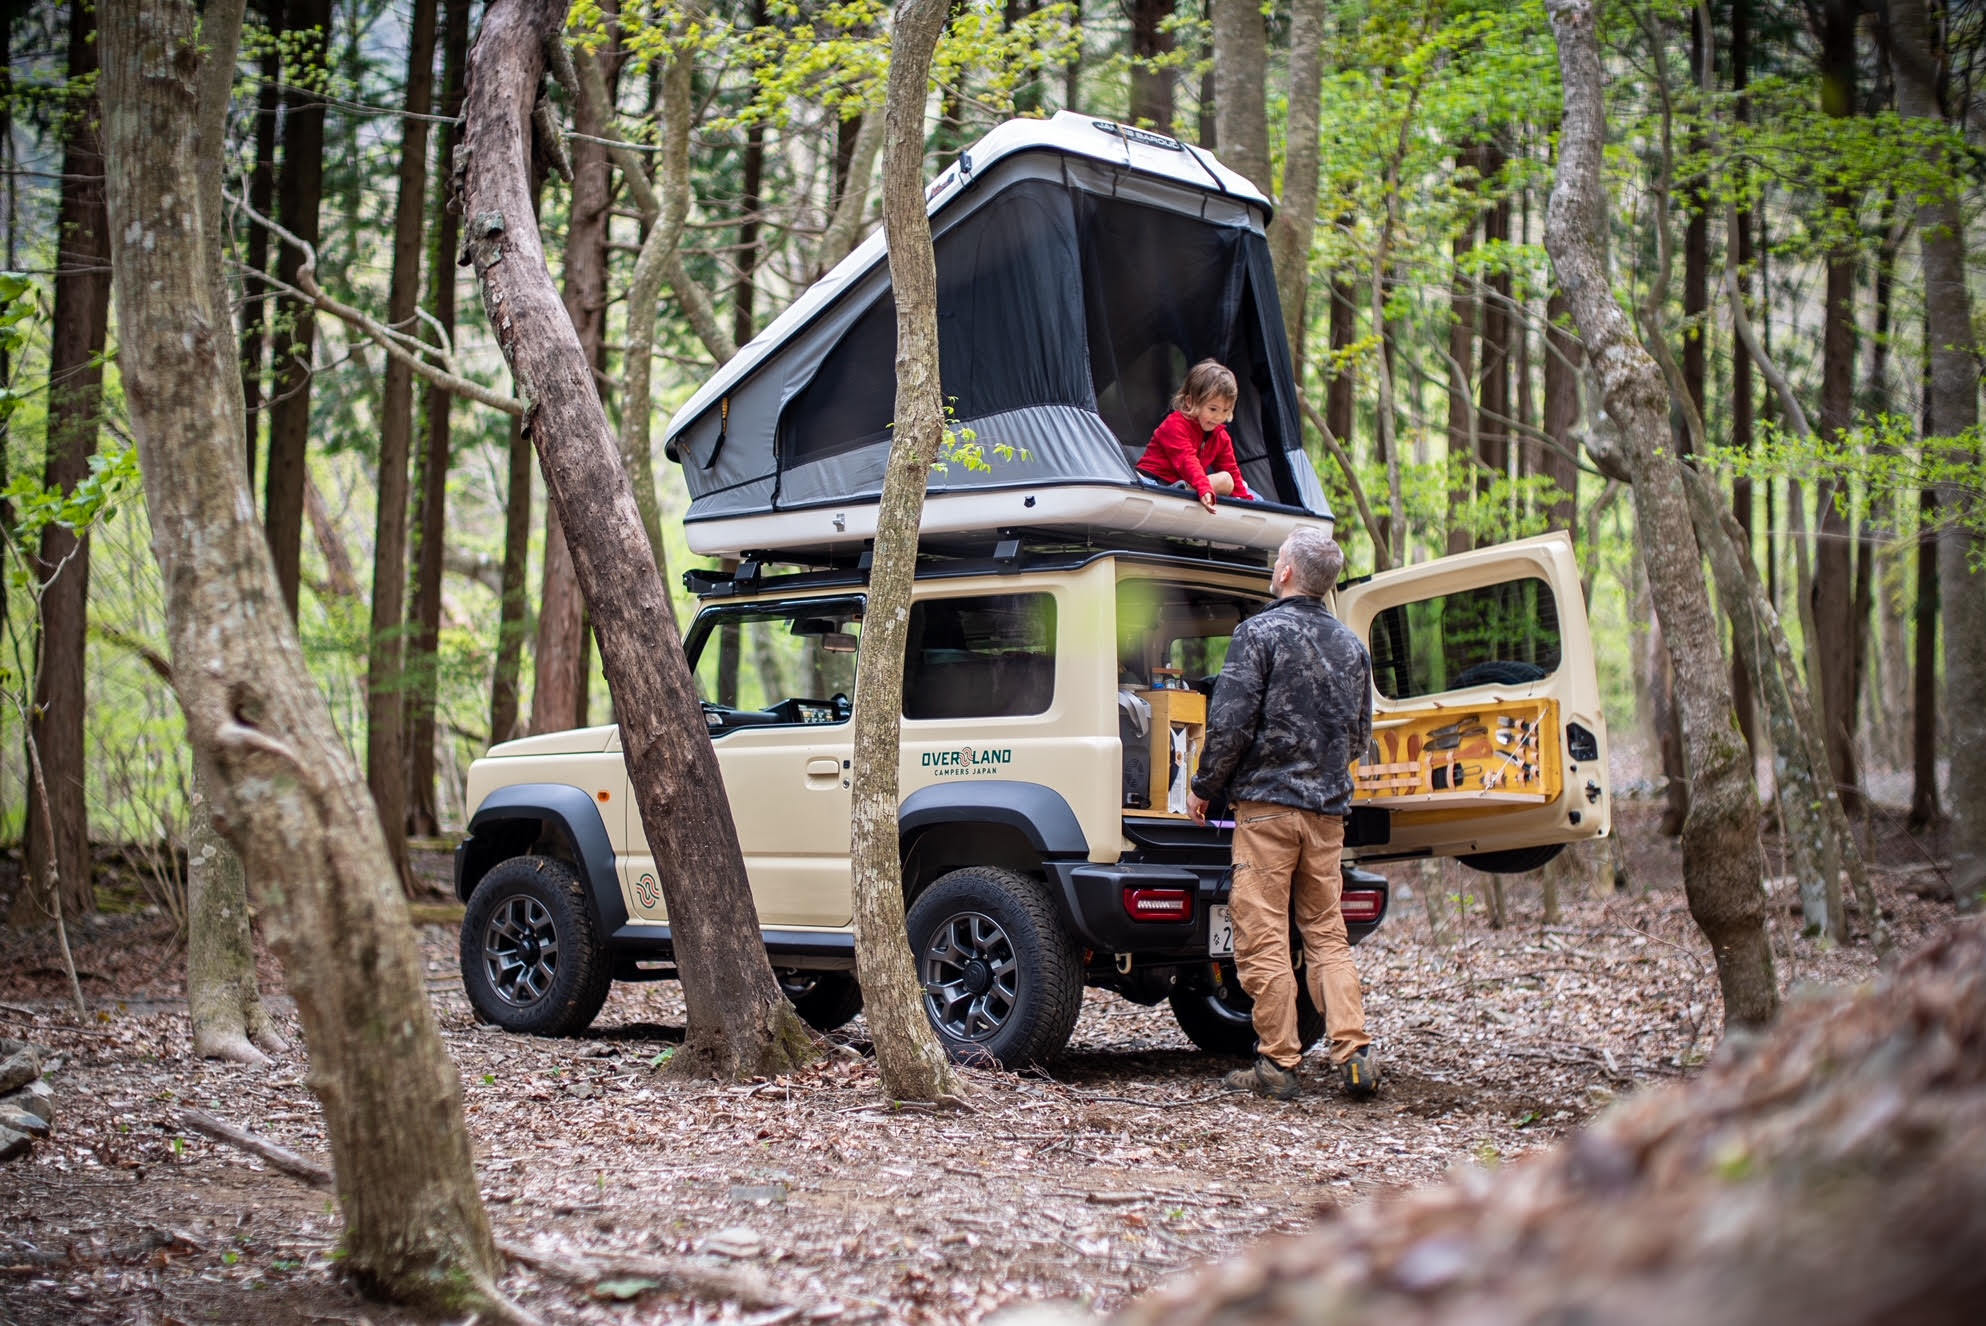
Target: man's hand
column 1196, row 806
column 1207, row 501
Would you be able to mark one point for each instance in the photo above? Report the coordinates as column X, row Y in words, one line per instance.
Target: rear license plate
column 1220, row 931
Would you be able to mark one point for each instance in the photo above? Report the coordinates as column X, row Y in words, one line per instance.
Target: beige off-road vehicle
column 1054, row 702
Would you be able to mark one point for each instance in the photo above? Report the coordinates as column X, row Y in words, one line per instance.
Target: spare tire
column 1498, row 672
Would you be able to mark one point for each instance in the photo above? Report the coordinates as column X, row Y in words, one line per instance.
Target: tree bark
column 912, row 1063
column 223, row 1001
column 513, row 599
column 739, row 1024
column 287, row 792
column 852, row 202
column 261, row 197
column 1741, row 359
column 298, row 193
column 62, row 566
column 1924, row 807
column 1493, row 367
column 1954, row 411
column 1151, row 87
column 1722, row 864
column 430, row 527
column 1833, row 588
column 1241, row 62
column 1341, row 397
column 386, row 695
column 1559, row 460
column 1462, row 419
column 1294, row 227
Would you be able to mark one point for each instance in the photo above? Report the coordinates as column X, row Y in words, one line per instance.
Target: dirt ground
column 1090, row 1182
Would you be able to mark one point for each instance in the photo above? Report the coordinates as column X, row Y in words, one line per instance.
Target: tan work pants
column 1286, row 861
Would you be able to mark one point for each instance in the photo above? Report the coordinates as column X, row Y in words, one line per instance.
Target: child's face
column 1211, row 413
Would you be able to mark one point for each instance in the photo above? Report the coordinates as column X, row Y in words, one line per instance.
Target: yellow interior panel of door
column 1425, row 762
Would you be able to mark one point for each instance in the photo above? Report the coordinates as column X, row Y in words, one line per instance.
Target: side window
column 765, row 667
column 1498, row 633
column 1174, row 634
column 992, row 656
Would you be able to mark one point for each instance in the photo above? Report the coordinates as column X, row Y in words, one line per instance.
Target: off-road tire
column 517, row 907
column 824, row 1000
column 1218, row 1018
column 1498, row 672
column 1046, row 994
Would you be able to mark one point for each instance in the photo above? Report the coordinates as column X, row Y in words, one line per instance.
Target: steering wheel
column 842, row 706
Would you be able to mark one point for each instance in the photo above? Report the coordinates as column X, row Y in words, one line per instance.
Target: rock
column 760, row 1193
column 737, row 1241
column 13, row 1144
column 36, row 1098
column 19, row 1068
column 31, row 1124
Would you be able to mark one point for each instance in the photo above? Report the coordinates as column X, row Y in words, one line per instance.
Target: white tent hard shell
column 1083, row 266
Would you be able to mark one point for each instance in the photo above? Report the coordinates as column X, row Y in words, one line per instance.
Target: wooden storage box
column 1172, row 709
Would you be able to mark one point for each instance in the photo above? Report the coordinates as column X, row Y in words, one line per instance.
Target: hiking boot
column 1266, row 1078
column 1360, row 1073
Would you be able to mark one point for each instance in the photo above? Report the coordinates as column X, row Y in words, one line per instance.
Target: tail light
column 1362, row 905
column 1158, row 904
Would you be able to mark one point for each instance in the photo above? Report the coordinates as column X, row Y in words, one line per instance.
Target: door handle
column 823, row 767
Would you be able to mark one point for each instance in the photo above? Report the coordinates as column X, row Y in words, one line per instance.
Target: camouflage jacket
column 1292, row 709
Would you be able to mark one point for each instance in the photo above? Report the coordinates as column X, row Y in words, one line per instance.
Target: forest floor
column 1091, row 1182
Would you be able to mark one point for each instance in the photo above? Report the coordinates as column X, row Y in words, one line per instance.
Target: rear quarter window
column 1507, row 632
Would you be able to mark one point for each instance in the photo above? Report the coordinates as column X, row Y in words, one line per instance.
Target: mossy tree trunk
column 913, row 1064
column 286, row 790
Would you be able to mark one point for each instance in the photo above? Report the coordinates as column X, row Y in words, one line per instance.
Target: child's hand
column 1207, row 501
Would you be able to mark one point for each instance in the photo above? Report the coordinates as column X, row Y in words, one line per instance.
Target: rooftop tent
column 1082, row 268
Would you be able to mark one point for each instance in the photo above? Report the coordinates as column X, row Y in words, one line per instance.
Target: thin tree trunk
column 852, row 202
column 1294, row 227
column 1924, row 808
column 1241, row 62
column 284, row 785
column 1493, row 367
column 1151, row 82
column 386, row 698
column 1722, row 864
column 1954, row 411
column 62, row 566
column 1462, row 418
column 1833, row 586
column 1341, row 396
column 223, row 1002
column 513, row 600
column 744, row 290
column 430, row 527
column 739, row 1023
column 299, row 191
column 1559, row 460
column 913, row 1064
column 261, row 197
column 1741, row 359
column 558, row 664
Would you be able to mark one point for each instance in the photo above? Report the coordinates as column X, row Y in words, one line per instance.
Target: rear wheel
column 532, row 960
column 1218, row 1016
column 1514, row 861
column 1002, row 980
column 825, row 1000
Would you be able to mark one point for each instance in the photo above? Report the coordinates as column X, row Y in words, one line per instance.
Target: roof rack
column 1006, row 551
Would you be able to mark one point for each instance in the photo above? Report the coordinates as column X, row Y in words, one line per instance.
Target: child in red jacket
column 1192, row 447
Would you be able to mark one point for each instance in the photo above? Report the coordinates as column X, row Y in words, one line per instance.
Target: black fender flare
column 1037, row 813
column 559, row 811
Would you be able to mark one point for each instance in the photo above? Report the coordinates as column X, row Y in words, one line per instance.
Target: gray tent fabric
column 1073, row 296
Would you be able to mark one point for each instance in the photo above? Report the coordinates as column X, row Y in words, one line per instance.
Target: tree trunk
column 852, row 201
column 739, row 1024
column 1954, row 411
column 1696, row 234
column 1722, row 864
column 1151, row 83
column 1493, row 367
column 1833, row 588
column 286, row 788
column 1924, row 808
column 1341, row 397
column 1560, row 457
column 223, row 1002
column 62, row 568
column 912, row 1063
column 298, row 194
column 513, row 600
column 430, row 528
column 261, row 197
column 559, row 674
column 386, row 697
column 744, row 290
column 1241, row 62
column 1462, row 419
column 1295, row 222
column 1741, row 359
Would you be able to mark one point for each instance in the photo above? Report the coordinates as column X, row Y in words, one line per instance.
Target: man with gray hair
column 1292, row 710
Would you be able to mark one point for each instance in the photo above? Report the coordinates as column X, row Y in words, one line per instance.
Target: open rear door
column 1487, row 737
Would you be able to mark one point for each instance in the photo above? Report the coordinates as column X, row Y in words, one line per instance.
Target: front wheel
column 1219, row 1017
column 1002, row 979
column 824, row 1000
column 532, row 960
